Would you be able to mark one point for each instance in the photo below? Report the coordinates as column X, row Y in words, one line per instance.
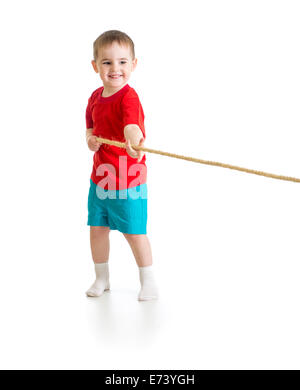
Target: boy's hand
column 139, row 154
column 93, row 144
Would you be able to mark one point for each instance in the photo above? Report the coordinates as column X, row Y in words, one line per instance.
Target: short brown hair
column 108, row 37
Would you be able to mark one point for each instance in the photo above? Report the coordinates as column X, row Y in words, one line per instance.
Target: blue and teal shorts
column 123, row 210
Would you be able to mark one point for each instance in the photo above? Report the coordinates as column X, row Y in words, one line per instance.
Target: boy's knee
column 132, row 237
column 100, row 230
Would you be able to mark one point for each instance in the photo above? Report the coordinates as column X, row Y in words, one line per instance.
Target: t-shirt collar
column 113, row 96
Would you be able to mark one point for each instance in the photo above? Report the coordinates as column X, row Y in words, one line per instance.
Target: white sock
column 102, row 280
column 148, row 286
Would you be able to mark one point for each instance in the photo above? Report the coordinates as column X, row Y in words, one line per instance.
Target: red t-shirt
column 108, row 116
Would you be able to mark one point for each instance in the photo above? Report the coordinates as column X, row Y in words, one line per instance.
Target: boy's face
column 115, row 64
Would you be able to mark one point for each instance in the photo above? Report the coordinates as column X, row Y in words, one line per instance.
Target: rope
column 198, row 160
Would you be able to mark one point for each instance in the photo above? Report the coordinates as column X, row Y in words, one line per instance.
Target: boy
column 115, row 112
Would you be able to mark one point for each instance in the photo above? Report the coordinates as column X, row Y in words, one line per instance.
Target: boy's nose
column 114, row 67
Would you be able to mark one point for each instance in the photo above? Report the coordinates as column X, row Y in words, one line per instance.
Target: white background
column 218, row 80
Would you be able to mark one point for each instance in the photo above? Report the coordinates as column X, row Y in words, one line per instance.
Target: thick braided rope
column 198, row 160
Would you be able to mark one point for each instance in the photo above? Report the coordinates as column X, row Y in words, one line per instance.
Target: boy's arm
column 134, row 136
column 91, row 140
column 88, row 133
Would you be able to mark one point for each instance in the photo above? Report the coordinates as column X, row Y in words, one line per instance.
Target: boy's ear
column 95, row 66
column 134, row 64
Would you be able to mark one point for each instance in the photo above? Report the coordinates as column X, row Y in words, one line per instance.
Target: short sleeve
column 132, row 112
column 88, row 115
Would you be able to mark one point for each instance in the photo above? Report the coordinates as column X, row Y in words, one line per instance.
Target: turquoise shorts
column 123, row 210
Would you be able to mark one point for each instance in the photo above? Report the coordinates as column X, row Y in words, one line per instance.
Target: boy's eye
column 107, row 62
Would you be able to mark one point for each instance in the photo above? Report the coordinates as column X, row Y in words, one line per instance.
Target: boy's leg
column 141, row 249
column 99, row 239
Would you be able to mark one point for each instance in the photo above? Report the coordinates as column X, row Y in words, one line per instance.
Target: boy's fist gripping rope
column 133, row 153
column 140, row 148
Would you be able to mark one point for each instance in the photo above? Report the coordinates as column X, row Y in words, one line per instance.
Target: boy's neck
column 111, row 91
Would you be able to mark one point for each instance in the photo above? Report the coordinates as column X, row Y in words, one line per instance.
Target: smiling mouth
column 114, row 77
